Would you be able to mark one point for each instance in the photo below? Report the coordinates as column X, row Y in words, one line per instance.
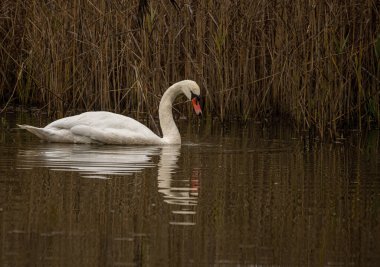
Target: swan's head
column 192, row 91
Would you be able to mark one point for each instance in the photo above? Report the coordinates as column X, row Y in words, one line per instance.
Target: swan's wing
column 96, row 127
column 55, row 135
column 106, row 127
column 116, row 136
column 99, row 120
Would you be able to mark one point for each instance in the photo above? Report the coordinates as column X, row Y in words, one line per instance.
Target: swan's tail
column 39, row 132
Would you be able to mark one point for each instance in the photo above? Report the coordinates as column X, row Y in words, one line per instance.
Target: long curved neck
column 169, row 129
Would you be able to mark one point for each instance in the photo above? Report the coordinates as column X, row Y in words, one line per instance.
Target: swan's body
column 110, row 128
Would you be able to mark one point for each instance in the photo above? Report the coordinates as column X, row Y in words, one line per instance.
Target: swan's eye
column 194, row 95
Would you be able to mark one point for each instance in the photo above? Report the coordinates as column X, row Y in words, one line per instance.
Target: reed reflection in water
column 241, row 197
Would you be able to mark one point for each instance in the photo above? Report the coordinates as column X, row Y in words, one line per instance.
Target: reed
column 316, row 63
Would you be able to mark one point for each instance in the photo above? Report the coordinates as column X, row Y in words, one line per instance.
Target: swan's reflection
column 181, row 193
column 104, row 161
column 90, row 161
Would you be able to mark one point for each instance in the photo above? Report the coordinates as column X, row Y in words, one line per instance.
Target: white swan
column 110, row 128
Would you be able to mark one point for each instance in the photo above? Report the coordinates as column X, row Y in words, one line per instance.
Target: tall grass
column 316, row 63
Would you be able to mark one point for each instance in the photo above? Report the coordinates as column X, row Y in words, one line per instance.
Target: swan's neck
column 169, row 129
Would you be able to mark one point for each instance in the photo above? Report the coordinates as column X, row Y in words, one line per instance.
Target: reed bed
column 315, row 63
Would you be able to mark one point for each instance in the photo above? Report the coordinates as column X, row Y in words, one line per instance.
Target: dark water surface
column 228, row 196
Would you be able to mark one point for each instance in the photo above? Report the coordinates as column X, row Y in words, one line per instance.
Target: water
column 228, row 196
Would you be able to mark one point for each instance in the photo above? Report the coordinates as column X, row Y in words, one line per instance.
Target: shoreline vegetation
column 314, row 63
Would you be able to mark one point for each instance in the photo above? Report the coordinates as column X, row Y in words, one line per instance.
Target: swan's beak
column 196, row 101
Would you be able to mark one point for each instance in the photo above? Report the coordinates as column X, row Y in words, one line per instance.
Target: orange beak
column 196, row 105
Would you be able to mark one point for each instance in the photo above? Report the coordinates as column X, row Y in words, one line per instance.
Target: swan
column 110, row 128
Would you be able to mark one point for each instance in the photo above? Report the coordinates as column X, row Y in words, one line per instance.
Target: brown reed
column 316, row 63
